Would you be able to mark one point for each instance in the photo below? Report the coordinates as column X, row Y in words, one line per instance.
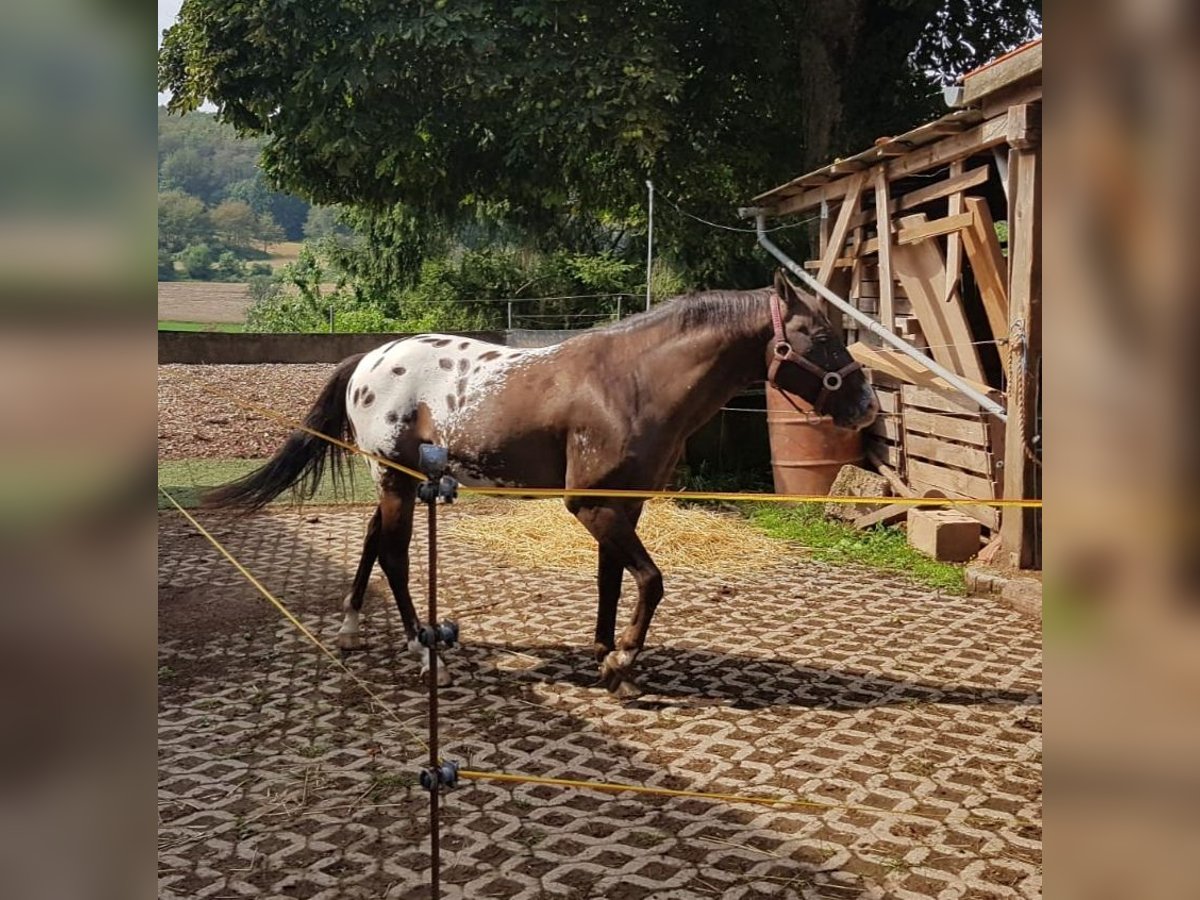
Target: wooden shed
column 936, row 233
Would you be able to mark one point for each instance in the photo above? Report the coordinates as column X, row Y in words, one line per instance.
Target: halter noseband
column 782, row 352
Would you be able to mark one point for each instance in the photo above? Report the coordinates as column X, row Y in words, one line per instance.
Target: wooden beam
column 893, row 478
column 1023, row 63
column 922, row 270
column 936, row 191
column 982, row 137
column 903, row 368
column 1025, row 125
column 837, row 237
column 990, row 270
column 953, row 241
column 887, row 304
column 1017, row 531
column 919, row 232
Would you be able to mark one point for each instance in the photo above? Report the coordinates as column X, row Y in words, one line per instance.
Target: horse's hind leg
column 397, row 506
column 348, row 637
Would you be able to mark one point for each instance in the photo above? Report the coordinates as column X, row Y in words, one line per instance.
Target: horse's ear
column 795, row 298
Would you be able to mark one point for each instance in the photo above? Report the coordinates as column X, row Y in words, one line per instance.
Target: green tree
column 323, row 222
column 181, row 221
column 268, row 230
column 236, row 223
column 549, row 116
column 166, row 265
column 197, row 261
column 229, row 268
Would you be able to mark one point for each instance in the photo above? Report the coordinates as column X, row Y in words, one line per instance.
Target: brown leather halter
column 782, row 352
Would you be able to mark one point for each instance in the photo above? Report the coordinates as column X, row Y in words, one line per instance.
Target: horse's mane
column 728, row 309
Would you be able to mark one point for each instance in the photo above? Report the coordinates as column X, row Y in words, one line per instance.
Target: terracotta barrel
column 807, row 450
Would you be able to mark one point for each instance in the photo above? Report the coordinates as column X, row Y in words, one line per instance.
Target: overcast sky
column 168, row 10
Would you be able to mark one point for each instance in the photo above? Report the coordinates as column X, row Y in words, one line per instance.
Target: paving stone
column 278, row 776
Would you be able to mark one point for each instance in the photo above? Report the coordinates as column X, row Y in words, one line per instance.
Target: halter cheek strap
column 782, row 352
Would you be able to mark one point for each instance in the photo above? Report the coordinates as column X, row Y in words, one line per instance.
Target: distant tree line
column 216, row 210
column 518, row 135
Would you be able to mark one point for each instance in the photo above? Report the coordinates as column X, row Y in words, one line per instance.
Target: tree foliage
column 546, row 117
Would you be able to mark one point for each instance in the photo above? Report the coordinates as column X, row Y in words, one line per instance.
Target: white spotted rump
column 453, row 378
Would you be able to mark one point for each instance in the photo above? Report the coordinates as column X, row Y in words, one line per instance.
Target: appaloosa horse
column 608, row 409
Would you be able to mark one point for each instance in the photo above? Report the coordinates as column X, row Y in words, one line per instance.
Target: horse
column 608, row 409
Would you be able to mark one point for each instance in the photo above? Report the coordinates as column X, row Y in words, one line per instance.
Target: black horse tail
column 302, row 460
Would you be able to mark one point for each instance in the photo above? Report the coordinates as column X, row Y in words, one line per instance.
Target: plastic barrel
column 807, row 450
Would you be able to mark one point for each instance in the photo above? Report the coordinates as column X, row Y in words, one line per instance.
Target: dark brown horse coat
column 610, row 408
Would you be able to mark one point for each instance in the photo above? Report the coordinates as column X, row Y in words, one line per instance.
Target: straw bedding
column 542, row 534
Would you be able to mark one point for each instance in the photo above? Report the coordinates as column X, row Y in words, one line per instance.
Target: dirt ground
column 203, row 301
column 279, row 777
column 199, row 418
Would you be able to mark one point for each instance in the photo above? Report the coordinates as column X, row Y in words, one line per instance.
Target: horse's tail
column 304, row 456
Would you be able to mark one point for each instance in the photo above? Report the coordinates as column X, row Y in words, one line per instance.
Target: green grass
column 836, row 542
column 171, row 325
column 187, row 479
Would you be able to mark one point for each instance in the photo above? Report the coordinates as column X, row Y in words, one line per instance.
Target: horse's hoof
column 348, row 641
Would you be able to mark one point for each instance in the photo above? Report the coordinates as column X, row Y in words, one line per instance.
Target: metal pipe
column 985, row 403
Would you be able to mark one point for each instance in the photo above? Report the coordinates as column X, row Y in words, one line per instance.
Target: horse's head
column 807, row 358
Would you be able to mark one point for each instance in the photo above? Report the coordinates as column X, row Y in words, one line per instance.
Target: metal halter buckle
column 783, row 350
column 831, row 381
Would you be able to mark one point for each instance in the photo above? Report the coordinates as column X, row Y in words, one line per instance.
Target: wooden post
column 954, row 246
column 841, row 227
column 1017, row 532
column 883, row 220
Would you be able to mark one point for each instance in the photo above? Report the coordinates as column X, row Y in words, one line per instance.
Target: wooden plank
column 982, row 137
column 889, row 401
column 1025, row 315
column 1025, row 125
column 972, row 459
column 990, row 270
column 969, row 431
column 953, row 241
column 886, row 515
column 928, row 397
column 922, row 270
column 887, row 303
column 929, row 193
column 896, row 365
column 912, row 235
column 997, row 104
column 893, row 478
column 887, row 453
column 837, row 237
column 886, row 426
column 919, row 232
column 950, row 480
column 1018, row 65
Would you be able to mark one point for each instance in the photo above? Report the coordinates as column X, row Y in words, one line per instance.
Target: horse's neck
column 696, row 370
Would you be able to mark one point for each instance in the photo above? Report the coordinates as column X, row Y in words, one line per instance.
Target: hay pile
column 542, row 534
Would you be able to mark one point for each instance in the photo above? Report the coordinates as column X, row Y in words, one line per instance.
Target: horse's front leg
column 395, row 537
column 348, row 637
column 614, row 528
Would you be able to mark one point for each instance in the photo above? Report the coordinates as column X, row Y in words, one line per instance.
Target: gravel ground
column 199, row 417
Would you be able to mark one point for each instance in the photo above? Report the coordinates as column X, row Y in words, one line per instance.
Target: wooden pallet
column 884, row 439
column 950, row 446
